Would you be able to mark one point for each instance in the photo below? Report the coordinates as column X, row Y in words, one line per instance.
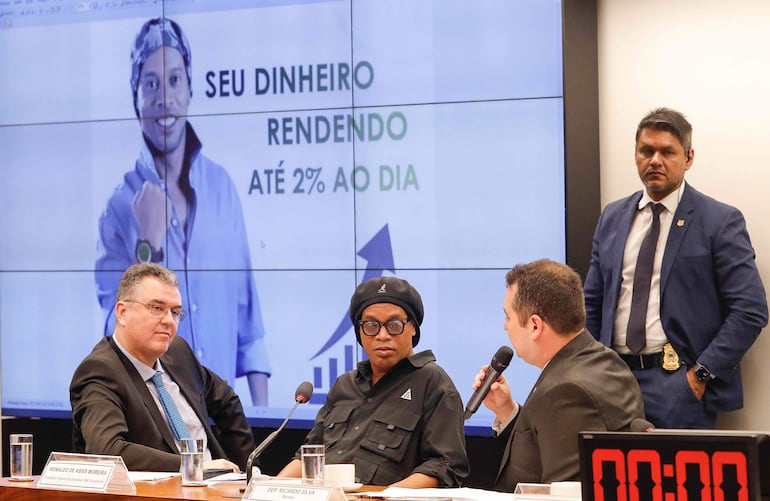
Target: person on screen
column 398, row 417
column 682, row 321
column 583, row 385
column 118, row 405
column 179, row 208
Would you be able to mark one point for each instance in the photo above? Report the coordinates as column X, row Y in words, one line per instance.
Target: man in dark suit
column 703, row 303
column 583, row 384
column 120, row 408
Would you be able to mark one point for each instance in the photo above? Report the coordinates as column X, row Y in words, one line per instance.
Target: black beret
column 387, row 290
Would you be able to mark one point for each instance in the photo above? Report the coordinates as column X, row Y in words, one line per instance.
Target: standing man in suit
column 583, row 385
column 683, row 325
column 120, row 408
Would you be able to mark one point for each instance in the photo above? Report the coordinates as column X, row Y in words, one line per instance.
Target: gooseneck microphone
column 301, row 396
column 499, row 363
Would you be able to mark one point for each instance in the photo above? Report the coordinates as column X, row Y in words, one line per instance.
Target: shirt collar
column 147, row 163
column 144, row 371
column 417, row 360
column 670, row 202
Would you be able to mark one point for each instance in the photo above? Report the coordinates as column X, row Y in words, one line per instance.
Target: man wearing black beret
column 398, row 417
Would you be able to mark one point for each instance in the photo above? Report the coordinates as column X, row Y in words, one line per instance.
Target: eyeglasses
column 372, row 327
column 159, row 311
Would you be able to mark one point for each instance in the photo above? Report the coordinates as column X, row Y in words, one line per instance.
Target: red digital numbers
column 738, row 459
column 689, row 468
column 644, row 456
column 601, row 456
column 699, row 458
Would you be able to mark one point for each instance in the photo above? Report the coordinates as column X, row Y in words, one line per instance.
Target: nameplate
column 555, row 491
column 287, row 492
column 87, row 472
column 76, row 475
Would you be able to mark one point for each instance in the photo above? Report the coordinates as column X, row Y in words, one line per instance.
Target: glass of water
column 21, row 456
column 192, row 461
column 313, row 461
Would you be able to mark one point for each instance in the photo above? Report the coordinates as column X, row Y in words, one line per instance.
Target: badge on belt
column 671, row 361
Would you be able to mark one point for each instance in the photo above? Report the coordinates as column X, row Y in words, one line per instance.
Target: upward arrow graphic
column 378, row 254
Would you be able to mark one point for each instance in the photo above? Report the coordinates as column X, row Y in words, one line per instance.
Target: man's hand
column 152, row 214
column 293, row 469
column 221, row 463
column 498, row 400
column 417, row 481
column 698, row 387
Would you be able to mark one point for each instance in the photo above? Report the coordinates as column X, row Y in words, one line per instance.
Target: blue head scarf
column 154, row 34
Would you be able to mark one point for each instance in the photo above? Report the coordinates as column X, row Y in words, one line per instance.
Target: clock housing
column 675, row 465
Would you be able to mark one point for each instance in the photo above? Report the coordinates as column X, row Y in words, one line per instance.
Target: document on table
column 226, row 477
column 151, row 476
column 402, row 494
column 154, row 476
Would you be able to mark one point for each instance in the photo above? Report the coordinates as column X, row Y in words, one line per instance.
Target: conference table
column 170, row 488
column 159, row 490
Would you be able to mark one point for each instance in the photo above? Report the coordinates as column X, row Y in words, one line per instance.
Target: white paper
column 151, row 476
column 459, row 493
column 226, row 477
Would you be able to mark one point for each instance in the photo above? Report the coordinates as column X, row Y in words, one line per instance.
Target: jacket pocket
column 391, row 433
column 336, row 423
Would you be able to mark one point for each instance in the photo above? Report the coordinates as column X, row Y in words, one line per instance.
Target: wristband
column 146, row 254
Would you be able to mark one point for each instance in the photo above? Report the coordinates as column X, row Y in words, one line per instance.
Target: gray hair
column 135, row 273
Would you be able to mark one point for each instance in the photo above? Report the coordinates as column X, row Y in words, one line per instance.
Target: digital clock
column 675, row 465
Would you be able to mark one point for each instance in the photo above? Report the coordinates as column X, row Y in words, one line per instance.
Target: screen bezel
column 581, row 159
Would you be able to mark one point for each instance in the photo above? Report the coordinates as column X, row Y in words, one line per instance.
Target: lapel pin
column 680, row 222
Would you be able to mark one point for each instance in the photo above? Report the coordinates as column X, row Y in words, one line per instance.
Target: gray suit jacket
column 585, row 387
column 114, row 413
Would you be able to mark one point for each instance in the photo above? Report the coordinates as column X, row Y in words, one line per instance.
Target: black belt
column 636, row 362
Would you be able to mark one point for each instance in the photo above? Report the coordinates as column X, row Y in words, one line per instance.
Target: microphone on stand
column 301, row 396
column 499, row 363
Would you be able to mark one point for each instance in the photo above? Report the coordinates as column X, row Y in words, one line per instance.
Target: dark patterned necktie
column 636, row 335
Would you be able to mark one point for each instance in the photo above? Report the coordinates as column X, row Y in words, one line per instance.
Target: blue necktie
column 172, row 413
column 636, row 335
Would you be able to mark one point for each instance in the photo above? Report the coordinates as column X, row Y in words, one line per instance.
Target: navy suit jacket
column 114, row 413
column 712, row 303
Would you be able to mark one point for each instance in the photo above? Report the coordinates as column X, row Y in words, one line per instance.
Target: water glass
column 313, row 461
column 21, row 456
column 192, row 461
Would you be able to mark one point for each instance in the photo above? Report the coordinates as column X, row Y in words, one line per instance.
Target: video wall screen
column 318, row 143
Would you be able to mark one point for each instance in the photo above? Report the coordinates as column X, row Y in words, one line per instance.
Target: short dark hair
column 135, row 273
column 552, row 290
column 671, row 121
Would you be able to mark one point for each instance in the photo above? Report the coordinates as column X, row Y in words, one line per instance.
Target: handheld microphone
column 640, row 425
column 301, row 396
column 499, row 363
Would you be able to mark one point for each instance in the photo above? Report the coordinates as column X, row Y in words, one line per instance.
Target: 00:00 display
column 639, row 475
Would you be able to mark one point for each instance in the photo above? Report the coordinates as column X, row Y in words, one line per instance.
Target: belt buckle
column 671, row 361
